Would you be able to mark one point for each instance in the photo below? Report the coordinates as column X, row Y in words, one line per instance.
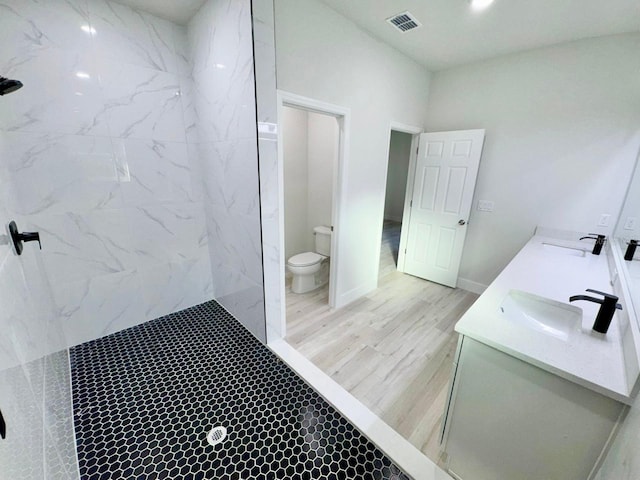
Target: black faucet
column 631, row 250
column 597, row 247
column 608, row 307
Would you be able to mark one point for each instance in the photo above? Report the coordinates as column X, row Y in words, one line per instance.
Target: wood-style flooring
column 392, row 349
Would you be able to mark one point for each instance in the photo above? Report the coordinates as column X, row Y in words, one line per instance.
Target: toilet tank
column 323, row 240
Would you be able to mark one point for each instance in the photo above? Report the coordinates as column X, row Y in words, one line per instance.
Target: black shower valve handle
column 18, row 238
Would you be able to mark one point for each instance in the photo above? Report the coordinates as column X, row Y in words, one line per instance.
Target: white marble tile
column 81, row 246
column 262, row 12
column 141, row 102
column 59, row 173
column 11, row 309
column 189, row 112
column 151, row 171
column 196, row 171
column 132, row 36
column 21, row 455
column 248, row 307
column 222, row 52
column 225, row 102
column 61, row 94
column 229, row 39
column 100, row 305
column 265, row 61
column 230, row 175
column 24, row 330
column 164, row 233
column 235, row 240
column 181, row 49
column 60, row 448
column 33, row 27
column 171, row 287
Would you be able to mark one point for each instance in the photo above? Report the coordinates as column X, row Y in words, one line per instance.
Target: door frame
column 415, row 141
column 343, row 116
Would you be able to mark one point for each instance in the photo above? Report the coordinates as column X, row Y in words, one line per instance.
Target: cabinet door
column 510, row 420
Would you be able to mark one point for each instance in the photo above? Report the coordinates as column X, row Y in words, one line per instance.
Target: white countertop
column 593, row 360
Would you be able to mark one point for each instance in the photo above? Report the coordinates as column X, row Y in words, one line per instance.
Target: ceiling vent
column 404, row 22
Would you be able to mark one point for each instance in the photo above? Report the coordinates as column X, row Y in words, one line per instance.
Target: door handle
column 461, row 222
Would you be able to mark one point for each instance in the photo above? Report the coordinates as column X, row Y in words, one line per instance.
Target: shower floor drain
column 216, row 435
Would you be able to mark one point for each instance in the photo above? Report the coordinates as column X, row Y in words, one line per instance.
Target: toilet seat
column 305, row 259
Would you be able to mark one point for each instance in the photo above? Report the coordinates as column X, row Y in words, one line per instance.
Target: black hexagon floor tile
column 146, row 398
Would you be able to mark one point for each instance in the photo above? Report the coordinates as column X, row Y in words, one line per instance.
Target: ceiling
column 453, row 34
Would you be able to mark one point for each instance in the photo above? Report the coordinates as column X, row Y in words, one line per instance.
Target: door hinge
column 405, row 251
column 332, row 228
column 410, row 203
column 417, row 150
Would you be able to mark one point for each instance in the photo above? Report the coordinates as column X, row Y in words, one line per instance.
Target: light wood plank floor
column 392, row 349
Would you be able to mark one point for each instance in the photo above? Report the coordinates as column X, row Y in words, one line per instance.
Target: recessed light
column 480, row 4
column 83, row 75
column 88, row 29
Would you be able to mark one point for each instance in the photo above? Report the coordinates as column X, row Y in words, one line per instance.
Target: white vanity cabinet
column 509, row 420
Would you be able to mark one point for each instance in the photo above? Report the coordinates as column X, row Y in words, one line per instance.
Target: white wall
column 399, row 156
column 310, row 156
column 296, row 181
column 324, row 56
column 562, row 133
column 322, row 153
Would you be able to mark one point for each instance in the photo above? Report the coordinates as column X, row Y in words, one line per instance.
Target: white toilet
column 311, row 269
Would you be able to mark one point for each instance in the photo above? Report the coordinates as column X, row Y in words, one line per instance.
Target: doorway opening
column 312, row 154
column 395, row 193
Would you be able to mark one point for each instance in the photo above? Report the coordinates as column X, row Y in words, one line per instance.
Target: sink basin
column 541, row 314
column 561, row 249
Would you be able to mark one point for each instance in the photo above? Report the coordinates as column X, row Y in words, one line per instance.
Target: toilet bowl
column 304, row 268
column 307, row 268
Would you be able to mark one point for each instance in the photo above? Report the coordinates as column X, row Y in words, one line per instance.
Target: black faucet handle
column 608, row 296
column 599, row 242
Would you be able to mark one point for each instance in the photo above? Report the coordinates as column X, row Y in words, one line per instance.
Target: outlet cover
column 604, row 220
column 485, row 205
column 631, row 223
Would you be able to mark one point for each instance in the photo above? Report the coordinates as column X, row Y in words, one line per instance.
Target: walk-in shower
column 134, row 160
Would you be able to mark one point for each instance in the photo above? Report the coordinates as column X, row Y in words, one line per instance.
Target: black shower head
column 7, row 85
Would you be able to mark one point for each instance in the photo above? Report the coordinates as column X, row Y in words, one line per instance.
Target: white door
column 443, row 183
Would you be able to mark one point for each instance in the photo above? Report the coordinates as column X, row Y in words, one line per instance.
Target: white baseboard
column 398, row 449
column 354, row 294
column 471, row 286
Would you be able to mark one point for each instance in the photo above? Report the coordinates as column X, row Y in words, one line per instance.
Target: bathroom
column 310, row 155
column 143, row 147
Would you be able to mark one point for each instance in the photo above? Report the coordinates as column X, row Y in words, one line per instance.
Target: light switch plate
column 485, row 205
column 631, row 223
column 604, row 220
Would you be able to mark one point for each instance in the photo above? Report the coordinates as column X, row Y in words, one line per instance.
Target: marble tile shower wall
column 94, row 152
column 222, row 135
column 265, row 65
column 36, row 402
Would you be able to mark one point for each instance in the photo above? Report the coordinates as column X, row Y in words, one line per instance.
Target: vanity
column 535, row 393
